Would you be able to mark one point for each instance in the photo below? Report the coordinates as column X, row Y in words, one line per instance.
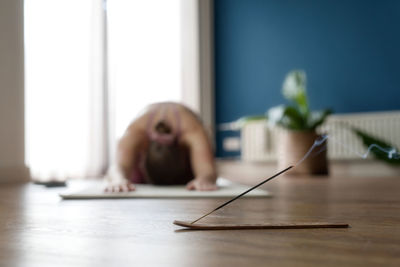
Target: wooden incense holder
column 202, row 226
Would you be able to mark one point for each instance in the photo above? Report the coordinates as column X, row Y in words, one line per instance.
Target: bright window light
column 143, row 40
column 57, row 67
column 144, row 55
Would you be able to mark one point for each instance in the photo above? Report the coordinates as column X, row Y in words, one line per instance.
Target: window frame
column 197, row 59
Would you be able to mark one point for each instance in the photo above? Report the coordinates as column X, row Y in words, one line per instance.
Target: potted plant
column 299, row 124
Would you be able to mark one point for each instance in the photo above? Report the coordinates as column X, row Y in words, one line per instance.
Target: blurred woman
column 166, row 145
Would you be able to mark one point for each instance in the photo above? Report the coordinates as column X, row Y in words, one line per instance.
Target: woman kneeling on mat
column 166, row 145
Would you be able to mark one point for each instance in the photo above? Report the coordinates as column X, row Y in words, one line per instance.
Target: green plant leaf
column 251, row 118
column 370, row 141
column 298, row 116
column 295, row 119
column 294, row 89
column 275, row 114
column 286, row 116
column 316, row 118
column 241, row 122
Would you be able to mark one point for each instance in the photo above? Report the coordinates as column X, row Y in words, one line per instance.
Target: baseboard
column 14, row 174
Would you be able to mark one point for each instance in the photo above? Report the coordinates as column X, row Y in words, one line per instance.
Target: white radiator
column 258, row 140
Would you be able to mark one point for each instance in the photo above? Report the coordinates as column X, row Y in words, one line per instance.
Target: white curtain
column 144, row 52
column 86, row 78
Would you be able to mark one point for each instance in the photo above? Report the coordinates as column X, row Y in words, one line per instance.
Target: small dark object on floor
column 52, row 183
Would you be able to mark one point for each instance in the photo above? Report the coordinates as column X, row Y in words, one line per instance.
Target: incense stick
column 244, row 193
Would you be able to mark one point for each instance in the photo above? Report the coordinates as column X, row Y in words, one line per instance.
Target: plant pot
column 292, row 147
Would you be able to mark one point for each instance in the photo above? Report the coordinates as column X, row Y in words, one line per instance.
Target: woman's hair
column 167, row 163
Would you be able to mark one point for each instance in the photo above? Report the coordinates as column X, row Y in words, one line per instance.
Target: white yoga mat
column 225, row 189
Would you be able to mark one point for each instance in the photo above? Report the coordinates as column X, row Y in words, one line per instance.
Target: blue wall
column 350, row 51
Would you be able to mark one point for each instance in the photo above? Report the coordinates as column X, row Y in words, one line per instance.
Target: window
column 77, row 64
column 144, row 55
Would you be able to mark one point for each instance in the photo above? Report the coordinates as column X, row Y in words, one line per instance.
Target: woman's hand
column 124, row 186
column 201, row 185
column 116, row 182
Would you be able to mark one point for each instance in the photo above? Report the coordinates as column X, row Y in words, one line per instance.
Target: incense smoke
column 317, row 143
column 391, row 152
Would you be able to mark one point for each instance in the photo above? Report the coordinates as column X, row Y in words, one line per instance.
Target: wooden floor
column 37, row 228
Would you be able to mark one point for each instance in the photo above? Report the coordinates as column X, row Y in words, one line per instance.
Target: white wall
column 12, row 167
